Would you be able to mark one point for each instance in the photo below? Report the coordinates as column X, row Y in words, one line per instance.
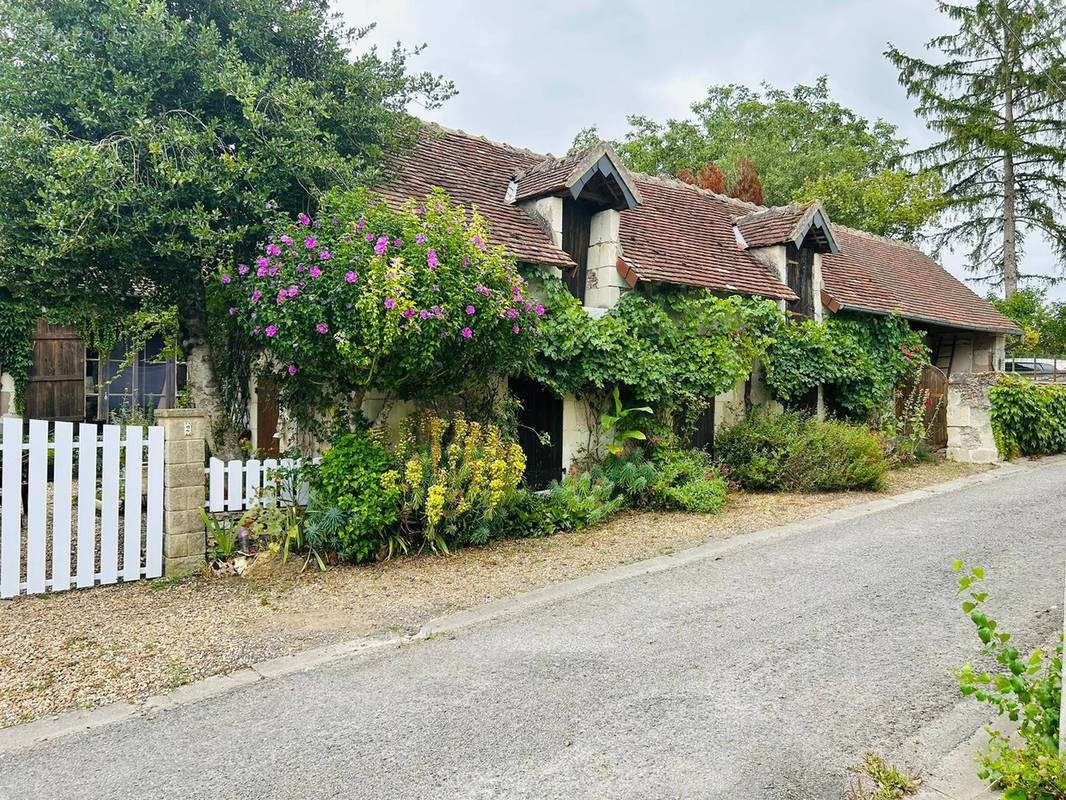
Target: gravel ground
column 85, row 648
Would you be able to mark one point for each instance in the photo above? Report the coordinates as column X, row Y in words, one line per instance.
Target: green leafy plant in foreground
column 1025, row 689
column 223, row 535
column 889, row 782
column 612, row 423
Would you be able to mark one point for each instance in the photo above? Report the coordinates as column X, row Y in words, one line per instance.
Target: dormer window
column 583, row 184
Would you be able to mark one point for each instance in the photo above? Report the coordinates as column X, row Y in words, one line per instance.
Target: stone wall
column 970, row 438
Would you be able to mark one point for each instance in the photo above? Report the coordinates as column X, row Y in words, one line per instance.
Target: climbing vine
column 670, row 348
column 860, row 359
column 17, row 319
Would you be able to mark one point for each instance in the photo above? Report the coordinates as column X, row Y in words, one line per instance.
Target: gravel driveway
column 125, row 642
column 760, row 670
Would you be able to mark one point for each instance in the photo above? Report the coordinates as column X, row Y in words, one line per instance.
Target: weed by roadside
column 886, row 782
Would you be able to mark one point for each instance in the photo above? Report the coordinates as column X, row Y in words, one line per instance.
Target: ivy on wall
column 17, row 320
column 1027, row 418
column 670, row 347
column 859, row 358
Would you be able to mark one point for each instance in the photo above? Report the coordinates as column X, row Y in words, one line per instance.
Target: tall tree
column 802, row 143
column 747, row 186
column 996, row 96
column 707, row 177
column 142, row 143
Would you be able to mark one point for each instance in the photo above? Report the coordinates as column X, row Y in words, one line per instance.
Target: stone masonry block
column 184, row 451
column 602, row 297
column 181, row 545
column 175, row 475
column 183, row 498
column 178, row 522
column 958, row 415
column 605, row 227
column 603, row 255
column 182, row 565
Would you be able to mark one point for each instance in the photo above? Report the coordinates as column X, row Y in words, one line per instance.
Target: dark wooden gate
column 934, row 381
column 540, row 411
column 56, row 389
column 266, row 418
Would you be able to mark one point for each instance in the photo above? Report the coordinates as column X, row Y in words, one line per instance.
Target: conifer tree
column 996, row 96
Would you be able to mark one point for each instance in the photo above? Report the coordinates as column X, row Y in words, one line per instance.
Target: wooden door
column 540, row 411
column 934, row 381
column 56, row 389
column 266, row 418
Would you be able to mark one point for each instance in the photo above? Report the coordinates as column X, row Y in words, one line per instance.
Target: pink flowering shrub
column 412, row 302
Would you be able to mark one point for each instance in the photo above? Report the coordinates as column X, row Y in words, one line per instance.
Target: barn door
column 540, row 411
column 56, row 389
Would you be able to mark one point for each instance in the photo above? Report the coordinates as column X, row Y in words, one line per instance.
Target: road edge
column 29, row 734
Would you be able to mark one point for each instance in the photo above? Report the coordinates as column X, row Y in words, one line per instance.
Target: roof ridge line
column 505, row 145
column 668, row 181
column 879, row 238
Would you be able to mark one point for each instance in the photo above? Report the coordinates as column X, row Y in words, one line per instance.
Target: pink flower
column 477, row 241
column 484, row 290
column 322, row 327
column 470, row 309
column 232, row 311
column 273, row 250
column 431, row 259
column 467, row 333
column 516, row 329
column 370, row 237
column 324, row 255
column 225, row 277
column 286, row 240
column 381, row 246
column 292, row 369
column 424, row 314
column 398, row 243
column 540, row 310
column 256, row 295
column 261, row 271
column 315, row 272
column 292, row 291
column 409, row 313
column 389, row 302
column 271, row 331
column 242, row 269
column 436, row 311
column 421, row 239
column 309, row 242
column 351, row 277
column 361, row 225
column 262, row 261
column 304, row 219
column 511, row 313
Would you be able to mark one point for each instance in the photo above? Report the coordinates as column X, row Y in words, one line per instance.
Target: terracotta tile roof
column 769, row 226
column 474, row 172
column 555, row 175
column 872, row 273
column 548, row 176
column 684, row 235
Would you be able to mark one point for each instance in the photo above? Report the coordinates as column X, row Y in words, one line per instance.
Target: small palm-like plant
column 612, row 424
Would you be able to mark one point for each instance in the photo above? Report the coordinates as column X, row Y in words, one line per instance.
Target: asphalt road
column 762, row 672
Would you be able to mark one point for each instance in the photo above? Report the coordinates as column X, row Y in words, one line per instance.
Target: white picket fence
column 239, row 485
column 118, row 537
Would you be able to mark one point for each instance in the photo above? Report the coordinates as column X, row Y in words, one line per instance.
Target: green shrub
column 528, row 514
column 1027, row 690
column 797, row 453
column 351, row 478
column 586, row 499
column 688, row 481
column 1028, row 419
column 454, row 476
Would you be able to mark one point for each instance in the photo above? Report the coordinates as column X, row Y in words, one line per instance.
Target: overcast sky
column 534, row 73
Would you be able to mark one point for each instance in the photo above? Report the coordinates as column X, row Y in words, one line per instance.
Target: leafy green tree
column 142, row 143
column 996, row 96
column 800, row 142
column 1044, row 323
